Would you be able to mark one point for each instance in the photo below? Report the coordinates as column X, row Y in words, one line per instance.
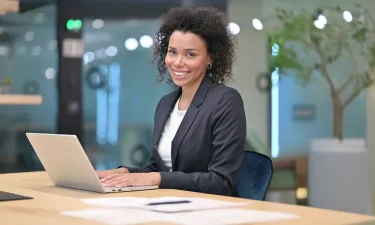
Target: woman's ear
column 209, row 60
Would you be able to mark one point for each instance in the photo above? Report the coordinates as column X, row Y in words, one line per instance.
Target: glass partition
column 28, row 66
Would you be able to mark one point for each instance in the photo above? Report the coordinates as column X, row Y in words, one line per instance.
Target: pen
column 171, row 202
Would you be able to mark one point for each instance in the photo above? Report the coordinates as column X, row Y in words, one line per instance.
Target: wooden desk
column 50, row 200
column 17, row 99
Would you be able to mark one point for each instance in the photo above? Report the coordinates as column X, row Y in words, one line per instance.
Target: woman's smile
column 180, row 74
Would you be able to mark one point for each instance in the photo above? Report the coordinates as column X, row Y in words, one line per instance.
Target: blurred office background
column 89, row 61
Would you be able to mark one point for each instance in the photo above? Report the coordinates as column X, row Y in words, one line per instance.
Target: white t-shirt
column 170, row 129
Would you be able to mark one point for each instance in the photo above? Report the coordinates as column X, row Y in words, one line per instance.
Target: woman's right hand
column 103, row 173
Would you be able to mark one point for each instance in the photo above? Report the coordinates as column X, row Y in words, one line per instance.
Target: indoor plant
column 310, row 43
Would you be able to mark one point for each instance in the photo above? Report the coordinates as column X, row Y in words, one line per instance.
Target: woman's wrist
column 155, row 178
column 122, row 170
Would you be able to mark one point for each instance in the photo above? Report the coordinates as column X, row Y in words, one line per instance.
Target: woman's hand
column 131, row 179
column 104, row 173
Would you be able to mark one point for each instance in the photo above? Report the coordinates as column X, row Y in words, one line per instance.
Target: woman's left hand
column 131, row 179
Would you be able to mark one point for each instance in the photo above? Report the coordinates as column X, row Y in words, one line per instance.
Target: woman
column 200, row 129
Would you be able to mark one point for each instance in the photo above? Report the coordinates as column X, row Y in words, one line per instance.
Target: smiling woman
column 210, row 28
column 187, row 58
column 200, row 129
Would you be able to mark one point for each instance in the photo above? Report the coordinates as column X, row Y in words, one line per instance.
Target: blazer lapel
column 189, row 117
column 162, row 116
column 165, row 111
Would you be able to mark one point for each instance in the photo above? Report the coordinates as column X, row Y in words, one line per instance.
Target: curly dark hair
column 210, row 24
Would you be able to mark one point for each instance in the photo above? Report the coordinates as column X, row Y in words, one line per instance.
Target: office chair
column 254, row 176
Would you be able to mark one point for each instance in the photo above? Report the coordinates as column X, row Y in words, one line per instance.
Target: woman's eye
column 171, row 52
column 190, row 55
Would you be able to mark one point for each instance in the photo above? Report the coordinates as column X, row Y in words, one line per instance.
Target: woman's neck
column 186, row 98
column 187, row 95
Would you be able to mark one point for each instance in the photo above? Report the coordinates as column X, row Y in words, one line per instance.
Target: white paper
column 127, row 216
column 141, row 203
column 118, row 216
column 229, row 216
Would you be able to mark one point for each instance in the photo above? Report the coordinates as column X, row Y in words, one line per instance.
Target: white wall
column 370, row 134
column 251, row 60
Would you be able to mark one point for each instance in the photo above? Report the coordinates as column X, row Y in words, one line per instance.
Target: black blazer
column 209, row 145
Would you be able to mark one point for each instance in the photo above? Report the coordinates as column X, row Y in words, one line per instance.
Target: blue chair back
column 255, row 176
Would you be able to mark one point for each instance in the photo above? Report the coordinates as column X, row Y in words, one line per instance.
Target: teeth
column 180, row 73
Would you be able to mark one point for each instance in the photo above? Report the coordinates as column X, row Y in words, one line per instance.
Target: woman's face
column 187, row 58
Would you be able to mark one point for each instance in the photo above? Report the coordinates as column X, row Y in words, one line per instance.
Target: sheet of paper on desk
column 117, row 216
column 142, row 203
column 229, row 216
column 127, row 216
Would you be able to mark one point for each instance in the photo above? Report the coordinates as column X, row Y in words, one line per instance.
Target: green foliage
column 286, row 59
column 294, row 27
column 323, row 46
column 6, row 82
column 360, row 34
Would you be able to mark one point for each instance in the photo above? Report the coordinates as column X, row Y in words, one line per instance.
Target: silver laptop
column 67, row 164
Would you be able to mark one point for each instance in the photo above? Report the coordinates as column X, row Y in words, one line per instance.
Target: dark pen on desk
column 170, row 202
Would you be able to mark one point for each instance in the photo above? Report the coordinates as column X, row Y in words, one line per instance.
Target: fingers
column 119, row 180
column 110, row 177
column 113, row 181
column 101, row 174
column 104, row 173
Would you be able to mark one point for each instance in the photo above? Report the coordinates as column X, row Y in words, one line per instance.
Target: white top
column 170, row 129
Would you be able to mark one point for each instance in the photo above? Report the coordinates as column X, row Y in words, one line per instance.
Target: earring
column 209, row 66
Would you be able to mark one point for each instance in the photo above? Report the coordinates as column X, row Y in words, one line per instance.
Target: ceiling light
column 321, row 22
column 131, row 44
column 257, row 24
column 146, row 41
column 97, row 24
column 347, row 16
column 234, row 28
column 88, row 57
column 50, row 73
column 111, row 51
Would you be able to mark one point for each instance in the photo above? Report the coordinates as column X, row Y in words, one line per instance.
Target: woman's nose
column 179, row 62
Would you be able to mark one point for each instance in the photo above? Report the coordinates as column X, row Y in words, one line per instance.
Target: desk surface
column 50, row 200
column 17, row 99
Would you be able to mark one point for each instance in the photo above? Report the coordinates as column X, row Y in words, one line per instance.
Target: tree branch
column 340, row 46
column 367, row 80
column 352, row 97
column 325, row 74
column 353, row 58
column 323, row 67
column 346, row 84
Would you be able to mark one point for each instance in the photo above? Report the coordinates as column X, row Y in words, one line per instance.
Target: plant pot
column 339, row 175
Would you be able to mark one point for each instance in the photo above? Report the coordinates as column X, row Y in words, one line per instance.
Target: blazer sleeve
column 151, row 166
column 229, row 138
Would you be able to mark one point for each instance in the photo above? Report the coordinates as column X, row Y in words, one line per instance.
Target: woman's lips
column 180, row 74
